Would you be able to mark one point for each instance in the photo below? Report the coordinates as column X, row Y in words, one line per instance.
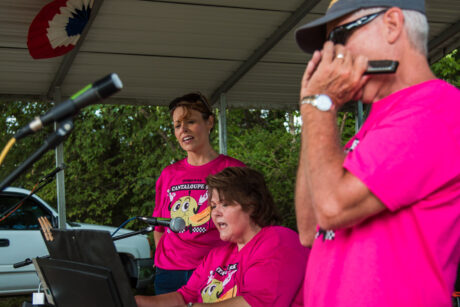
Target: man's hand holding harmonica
column 335, row 72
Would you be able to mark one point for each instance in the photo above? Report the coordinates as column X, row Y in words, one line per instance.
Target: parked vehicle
column 20, row 238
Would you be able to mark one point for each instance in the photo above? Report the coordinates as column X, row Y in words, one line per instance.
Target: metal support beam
column 447, row 34
column 54, row 92
column 68, row 59
column 263, row 49
column 222, row 124
column 60, row 186
column 359, row 116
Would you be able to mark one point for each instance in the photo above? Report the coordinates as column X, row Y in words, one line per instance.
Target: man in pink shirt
column 388, row 207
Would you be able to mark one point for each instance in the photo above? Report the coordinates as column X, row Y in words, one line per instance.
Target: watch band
column 322, row 102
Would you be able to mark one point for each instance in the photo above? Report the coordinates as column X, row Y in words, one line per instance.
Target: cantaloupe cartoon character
column 186, row 207
column 213, row 291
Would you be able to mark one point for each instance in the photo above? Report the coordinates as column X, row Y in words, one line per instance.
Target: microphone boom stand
column 51, row 142
column 134, row 233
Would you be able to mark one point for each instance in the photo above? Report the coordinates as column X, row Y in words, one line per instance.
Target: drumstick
column 46, row 226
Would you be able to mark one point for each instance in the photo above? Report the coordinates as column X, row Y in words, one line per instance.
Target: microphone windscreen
column 108, row 85
column 177, row 224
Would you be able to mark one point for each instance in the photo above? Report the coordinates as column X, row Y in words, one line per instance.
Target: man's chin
column 368, row 96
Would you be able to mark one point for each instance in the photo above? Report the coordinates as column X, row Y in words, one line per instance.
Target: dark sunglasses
column 191, row 98
column 340, row 34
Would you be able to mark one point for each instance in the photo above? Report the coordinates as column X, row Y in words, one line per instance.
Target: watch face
column 323, row 102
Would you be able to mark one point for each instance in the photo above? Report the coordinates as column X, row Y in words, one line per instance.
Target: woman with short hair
column 261, row 265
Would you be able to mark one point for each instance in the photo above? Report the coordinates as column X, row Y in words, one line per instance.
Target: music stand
column 71, row 283
column 83, row 270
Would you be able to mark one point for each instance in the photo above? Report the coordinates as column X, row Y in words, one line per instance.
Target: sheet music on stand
column 83, row 269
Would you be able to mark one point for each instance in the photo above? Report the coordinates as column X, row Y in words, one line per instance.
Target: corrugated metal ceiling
column 162, row 49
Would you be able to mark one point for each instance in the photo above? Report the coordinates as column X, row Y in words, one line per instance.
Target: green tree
column 448, row 68
column 264, row 141
column 14, row 115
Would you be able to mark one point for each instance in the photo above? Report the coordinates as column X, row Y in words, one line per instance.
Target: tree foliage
column 13, row 116
column 115, row 153
column 448, row 68
column 262, row 139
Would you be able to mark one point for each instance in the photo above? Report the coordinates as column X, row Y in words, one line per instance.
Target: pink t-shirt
column 267, row 271
column 408, row 154
column 181, row 191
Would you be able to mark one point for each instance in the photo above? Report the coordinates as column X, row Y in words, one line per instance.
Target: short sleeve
column 406, row 157
column 275, row 274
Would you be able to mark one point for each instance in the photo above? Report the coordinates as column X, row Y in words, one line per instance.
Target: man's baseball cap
column 311, row 37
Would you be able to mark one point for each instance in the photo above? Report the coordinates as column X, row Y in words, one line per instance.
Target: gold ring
column 340, row 56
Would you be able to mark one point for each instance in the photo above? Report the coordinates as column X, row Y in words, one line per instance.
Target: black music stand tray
column 83, row 270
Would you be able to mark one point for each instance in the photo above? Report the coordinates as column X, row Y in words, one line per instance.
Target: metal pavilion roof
column 162, row 49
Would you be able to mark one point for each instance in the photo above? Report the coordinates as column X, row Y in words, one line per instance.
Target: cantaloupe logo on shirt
column 213, row 292
column 187, row 208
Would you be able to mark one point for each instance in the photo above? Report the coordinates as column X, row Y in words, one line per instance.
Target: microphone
column 90, row 94
column 54, row 172
column 176, row 224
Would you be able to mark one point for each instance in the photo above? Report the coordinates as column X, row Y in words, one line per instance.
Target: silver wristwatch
column 322, row 102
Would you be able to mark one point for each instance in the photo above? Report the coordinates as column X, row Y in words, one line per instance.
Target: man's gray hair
column 417, row 30
column 416, row 26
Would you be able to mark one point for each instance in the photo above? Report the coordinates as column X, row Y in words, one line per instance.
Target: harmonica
column 381, row 67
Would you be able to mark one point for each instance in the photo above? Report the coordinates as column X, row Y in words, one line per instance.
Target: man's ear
column 393, row 20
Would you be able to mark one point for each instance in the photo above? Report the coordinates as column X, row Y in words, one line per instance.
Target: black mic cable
column 52, row 173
